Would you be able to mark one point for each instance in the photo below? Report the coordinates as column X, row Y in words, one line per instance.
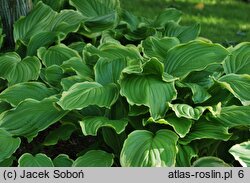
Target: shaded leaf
column 109, row 70
column 204, row 129
column 210, row 161
column 234, row 116
column 168, row 15
column 62, row 160
column 39, row 160
column 8, row 144
column 94, row 158
column 30, row 117
column 62, row 133
column 185, row 154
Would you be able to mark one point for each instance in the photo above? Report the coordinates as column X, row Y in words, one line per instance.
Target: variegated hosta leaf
column 64, row 22
column 81, row 95
column 144, row 149
column 113, row 51
column 37, row 21
column 187, row 111
column 150, row 91
column 98, row 15
column 238, row 61
column 39, row 160
column 156, row 47
column 56, row 5
column 90, row 125
column 109, row 70
column 238, row 85
column 68, row 82
column 16, row 70
column 183, row 33
column 193, row 56
column 56, row 55
column 234, row 116
column 241, row 153
column 8, row 144
column 43, row 39
column 185, row 155
column 43, row 19
column 21, row 91
column 168, row 15
column 147, row 86
column 54, row 75
column 30, row 117
column 78, row 66
column 210, row 161
column 94, row 158
column 180, row 125
column 62, row 160
column 204, row 129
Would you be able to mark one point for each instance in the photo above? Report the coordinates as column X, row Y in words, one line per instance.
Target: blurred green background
column 222, row 21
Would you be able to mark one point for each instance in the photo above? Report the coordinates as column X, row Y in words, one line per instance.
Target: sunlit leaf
column 238, row 85
column 21, row 91
column 81, row 95
column 238, row 61
column 168, row 15
column 241, row 153
column 183, row 33
column 90, row 125
column 98, row 15
column 156, row 47
column 193, row 56
column 144, row 149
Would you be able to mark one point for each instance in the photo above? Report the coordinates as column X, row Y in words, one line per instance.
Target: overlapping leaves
column 147, row 89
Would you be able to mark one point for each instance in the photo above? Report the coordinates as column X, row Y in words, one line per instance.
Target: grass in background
column 222, row 21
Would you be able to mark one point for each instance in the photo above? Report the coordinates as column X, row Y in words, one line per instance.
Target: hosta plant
column 90, row 84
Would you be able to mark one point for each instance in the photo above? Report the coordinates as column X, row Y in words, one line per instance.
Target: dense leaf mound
column 90, row 84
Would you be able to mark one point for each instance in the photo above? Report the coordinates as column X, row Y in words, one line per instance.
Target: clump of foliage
column 90, row 84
